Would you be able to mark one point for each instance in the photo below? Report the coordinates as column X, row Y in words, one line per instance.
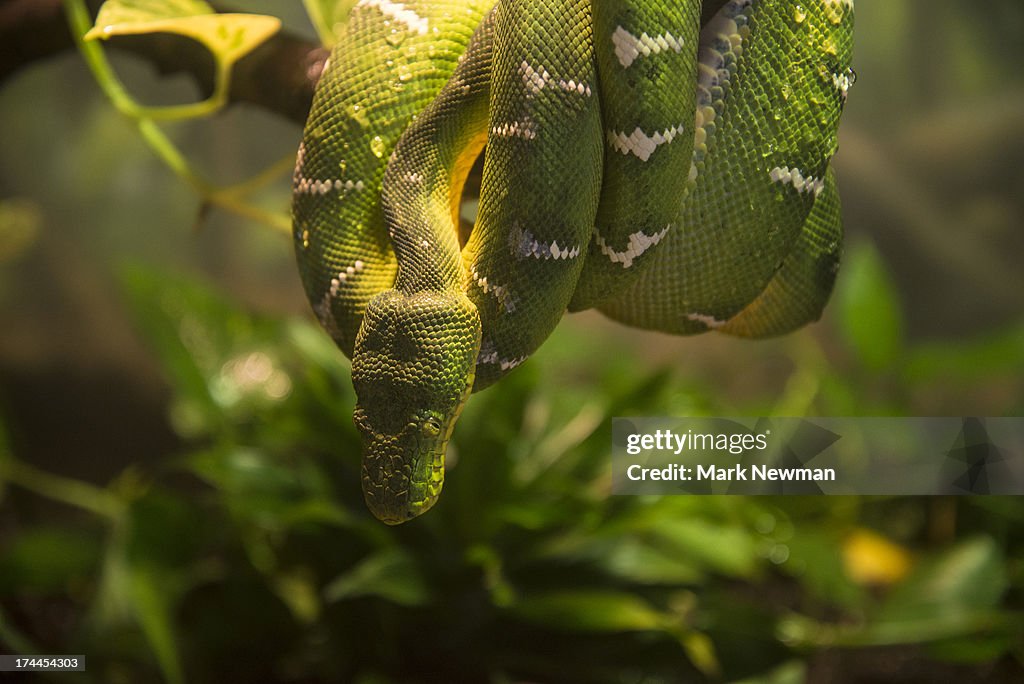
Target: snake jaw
column 402, row 475
column 412, row 369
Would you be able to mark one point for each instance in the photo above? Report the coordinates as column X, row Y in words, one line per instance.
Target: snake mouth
column 394, row 499
column 402, row 475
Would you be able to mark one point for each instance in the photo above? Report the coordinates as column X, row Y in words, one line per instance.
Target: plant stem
column 68, row 491
column 145, row 119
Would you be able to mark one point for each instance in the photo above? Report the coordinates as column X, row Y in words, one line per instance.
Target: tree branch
column 278, row 76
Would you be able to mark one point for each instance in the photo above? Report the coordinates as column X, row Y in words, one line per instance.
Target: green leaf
column 298, row 591
column 174, row 316
column 979, row 648
column 271, row 493
column 154, row 602
column 992, row 354
column 391, row 574
column 135, row 589
column 868, row 308
column 951, row 596
column 590, row 611
column 724, row 548
column 701, row 652
column 634, row 560
column 792, row 672
column 228, row 36
column 317, row 347
column 814, row 561
column 223, row 363
column 967, row 578
column 167, row 531
column 141, row 11
column 46, row 560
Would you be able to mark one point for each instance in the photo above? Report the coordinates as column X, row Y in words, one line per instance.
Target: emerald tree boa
column 672, row 174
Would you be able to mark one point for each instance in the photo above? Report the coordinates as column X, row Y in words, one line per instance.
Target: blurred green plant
column 250, row 555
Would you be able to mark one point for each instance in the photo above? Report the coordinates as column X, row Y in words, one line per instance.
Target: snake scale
column 672, row 173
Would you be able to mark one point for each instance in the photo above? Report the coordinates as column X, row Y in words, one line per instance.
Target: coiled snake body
column 674, row 176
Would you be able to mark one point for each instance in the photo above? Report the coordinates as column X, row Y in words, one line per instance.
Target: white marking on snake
column 628, row 47
column 536, row 80
column 323, row 308
column 843, row 82
column 639, row 242
column 509, row 364
column 641, row 144
column 706, row 319
column 523, row 244
column 533, row 79
column 399, row 12
column 525, row 129
column 489, row 355
column 796, row 178
column 504, row 364
column 315, row 186
column 344, row 275
column 500, row 292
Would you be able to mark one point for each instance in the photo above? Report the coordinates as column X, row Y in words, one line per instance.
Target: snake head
column 412, row 369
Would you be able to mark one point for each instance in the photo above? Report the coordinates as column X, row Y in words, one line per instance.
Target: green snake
column 672, row 173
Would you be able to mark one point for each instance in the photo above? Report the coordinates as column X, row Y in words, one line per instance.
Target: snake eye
column 431, row 427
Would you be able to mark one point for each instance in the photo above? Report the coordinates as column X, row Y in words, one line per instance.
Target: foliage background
column 178, row 469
